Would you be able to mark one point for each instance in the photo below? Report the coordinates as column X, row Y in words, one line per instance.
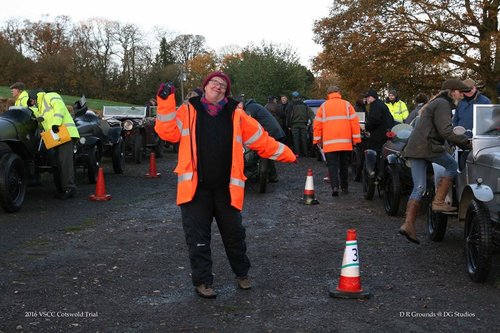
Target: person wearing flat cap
column 211, row 131
column 19, row 93
column 378, row 121
column 428, row 144
column 463, row 113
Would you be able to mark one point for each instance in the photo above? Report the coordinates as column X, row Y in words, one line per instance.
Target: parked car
column 476, row 193
column 396, row 174
column 137, row 130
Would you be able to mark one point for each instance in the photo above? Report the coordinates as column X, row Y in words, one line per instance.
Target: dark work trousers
column 299, row 135
column 338, row 163
column 197, row 217
column 65, row 165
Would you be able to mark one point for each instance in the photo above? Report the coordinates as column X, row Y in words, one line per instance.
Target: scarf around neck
column 213, row 109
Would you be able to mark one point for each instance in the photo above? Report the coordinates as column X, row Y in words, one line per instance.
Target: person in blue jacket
column 464, row 111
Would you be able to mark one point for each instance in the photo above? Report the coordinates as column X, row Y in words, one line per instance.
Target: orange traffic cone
column 100, row 188
column 152, row 167
column 309, row 189
column 350, row 283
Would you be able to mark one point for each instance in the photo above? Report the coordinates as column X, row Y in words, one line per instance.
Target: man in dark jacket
column 270, row 124
column 378, row 121
column 298, row 117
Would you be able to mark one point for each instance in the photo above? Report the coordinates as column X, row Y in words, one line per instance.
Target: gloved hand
column 40, row 119
column 55, row 128
column 165, row 90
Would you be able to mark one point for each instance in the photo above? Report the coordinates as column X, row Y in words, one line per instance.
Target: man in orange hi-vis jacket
column 336, row 128
column 211, row 132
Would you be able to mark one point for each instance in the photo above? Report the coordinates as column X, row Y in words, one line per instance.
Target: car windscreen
column 124, row 111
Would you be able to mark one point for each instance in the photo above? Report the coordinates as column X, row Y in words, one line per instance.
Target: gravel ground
column 122, row 265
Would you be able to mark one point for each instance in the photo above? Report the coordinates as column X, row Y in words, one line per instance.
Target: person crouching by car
column 428, row 144
column 52, row 112
column 211, row 132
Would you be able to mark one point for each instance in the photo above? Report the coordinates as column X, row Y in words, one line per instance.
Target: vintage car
column 97, row 138
column 23, row 157
column 137, row 130
column 396, row 174
column 476, row 194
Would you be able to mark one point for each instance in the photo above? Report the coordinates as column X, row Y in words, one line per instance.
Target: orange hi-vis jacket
column 180, row 126
column 336, row 125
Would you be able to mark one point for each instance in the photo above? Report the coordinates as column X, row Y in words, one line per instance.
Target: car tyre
column 368, row 185
column 12, row 182
column 436, row 222
column 93, row 165
column 118, row 157
column 138, row 148
column 392, row 190
column 478, row 241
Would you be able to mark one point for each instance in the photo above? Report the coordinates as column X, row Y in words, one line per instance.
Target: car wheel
column 436, row 222
column 392, row 190
column 93, row 165
column 263, row 173
column 368, row 185
column 138, row 148
column 118, row 157
column 12, row 182
column 478, row 241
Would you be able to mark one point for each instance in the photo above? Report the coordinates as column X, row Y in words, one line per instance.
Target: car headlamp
column 83, row 140
column 128, row 125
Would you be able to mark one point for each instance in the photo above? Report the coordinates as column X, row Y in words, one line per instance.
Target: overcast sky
column 222, row 22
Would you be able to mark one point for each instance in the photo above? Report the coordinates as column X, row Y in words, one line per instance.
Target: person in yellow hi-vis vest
column 211, row 131
column 51, row 112
column 397, row 107
column 19, row 94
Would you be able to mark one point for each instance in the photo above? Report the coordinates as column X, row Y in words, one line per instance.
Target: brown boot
column 438, row 204
column 408, row 228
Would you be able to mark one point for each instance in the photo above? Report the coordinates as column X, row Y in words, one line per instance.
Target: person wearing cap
column 465, row 108
column 428, row 144
column 336, row 130
column 211, row 131
column 19, row 94
column 378, row 121
column 298, row 117
column 397, row 107
column 50, row 110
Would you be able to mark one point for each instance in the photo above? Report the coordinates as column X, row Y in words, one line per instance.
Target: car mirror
column 459, row 130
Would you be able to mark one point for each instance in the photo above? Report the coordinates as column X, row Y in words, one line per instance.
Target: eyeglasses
column 219, row 84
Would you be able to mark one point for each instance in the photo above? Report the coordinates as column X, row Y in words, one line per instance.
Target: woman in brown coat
column 428, row 143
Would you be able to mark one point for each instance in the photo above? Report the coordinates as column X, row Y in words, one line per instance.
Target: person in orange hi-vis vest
column 336, row 129
column 211, row 132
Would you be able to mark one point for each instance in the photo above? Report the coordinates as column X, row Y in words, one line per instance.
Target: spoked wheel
column 478, row 241
column 12, row 183
column 368, row 185
column 436, row 222
column 392, row 190
column 263, row 174
column 118, row 157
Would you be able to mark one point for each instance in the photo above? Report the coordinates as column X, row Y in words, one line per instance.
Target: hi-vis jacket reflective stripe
column 180, row 126
column 399, row 110
column 22, row 99
column 336, row 125
column 54, row 112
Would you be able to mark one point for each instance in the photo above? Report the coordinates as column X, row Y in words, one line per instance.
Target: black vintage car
column 137, row 129
column 97, row 138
